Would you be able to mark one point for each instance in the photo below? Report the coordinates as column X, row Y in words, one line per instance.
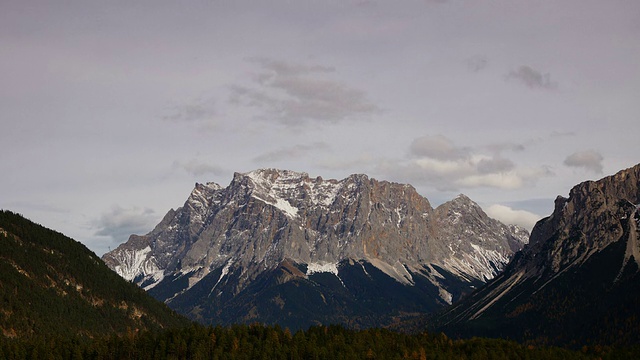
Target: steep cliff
column 274, row 237
column 576, row 282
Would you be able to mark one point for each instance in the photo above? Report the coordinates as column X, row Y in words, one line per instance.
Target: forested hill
column 51, row 284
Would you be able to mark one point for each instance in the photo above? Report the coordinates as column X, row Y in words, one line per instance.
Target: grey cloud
column 198, row 168
column 532, row 78
column 561, row 134
column 295, row 151
column 588, row 159
column 536, row 141
column 242, row 95
column 294, row 94
column 201, row 110
column 505, row 146
column 282, row 68
column 436, row 147
column 120, row 223
column 494, row 165
column 477, row 63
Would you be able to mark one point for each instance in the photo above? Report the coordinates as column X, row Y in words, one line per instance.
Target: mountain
column 278, row 246
column 53, row 285
column 576, row 282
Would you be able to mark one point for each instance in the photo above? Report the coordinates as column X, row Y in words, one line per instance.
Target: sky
column 111, row 111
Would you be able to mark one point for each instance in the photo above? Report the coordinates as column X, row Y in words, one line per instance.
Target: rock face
column 280, row 247
column 576, row 282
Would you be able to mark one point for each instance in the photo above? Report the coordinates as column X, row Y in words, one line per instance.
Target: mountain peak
column 576, row 271
column 473, row 253
column 462, row 197
column 224, row 239
column 275, row 175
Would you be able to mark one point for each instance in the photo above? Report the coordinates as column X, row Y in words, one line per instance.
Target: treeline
column 263, row 342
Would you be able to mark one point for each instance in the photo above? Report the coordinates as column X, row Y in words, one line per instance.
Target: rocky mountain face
column 281, row 247
column 51, row 285
column 576, row 282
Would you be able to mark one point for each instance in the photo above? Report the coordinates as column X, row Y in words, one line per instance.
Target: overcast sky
column 110, row 111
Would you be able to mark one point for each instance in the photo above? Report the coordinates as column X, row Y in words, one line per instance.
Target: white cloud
column 444, row 167
column 501, row 180
column 508, row 215
column 589, row 159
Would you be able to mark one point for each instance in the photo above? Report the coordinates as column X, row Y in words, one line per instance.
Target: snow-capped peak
column 285, row 188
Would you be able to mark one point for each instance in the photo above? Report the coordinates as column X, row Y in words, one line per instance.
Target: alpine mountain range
column 280, row 247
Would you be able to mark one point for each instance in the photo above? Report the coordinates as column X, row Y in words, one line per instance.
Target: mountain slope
column 576, row 282
column 51, row 284
column 278, row 246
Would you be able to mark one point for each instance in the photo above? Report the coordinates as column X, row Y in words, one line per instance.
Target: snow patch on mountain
column 138, row 265
column 445, row 295
column 324, row 193
column 131, row 263
column 225, row 271
column 321, row 267
column 284, row 185
column 287, row 209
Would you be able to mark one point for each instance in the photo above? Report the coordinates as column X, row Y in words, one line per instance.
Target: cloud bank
column 437, row 161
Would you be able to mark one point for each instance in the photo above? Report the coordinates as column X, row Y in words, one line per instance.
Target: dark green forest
column 52, row 284
column 262, row 342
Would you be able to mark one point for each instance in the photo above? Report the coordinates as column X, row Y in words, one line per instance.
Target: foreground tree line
column 267, row 342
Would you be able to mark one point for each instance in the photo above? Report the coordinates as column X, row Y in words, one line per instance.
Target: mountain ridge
column 267, row 217
column 576, row 282
column 53, row 285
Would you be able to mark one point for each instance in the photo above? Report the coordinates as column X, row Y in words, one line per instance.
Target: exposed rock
column 265, row 220
column 576, row 281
